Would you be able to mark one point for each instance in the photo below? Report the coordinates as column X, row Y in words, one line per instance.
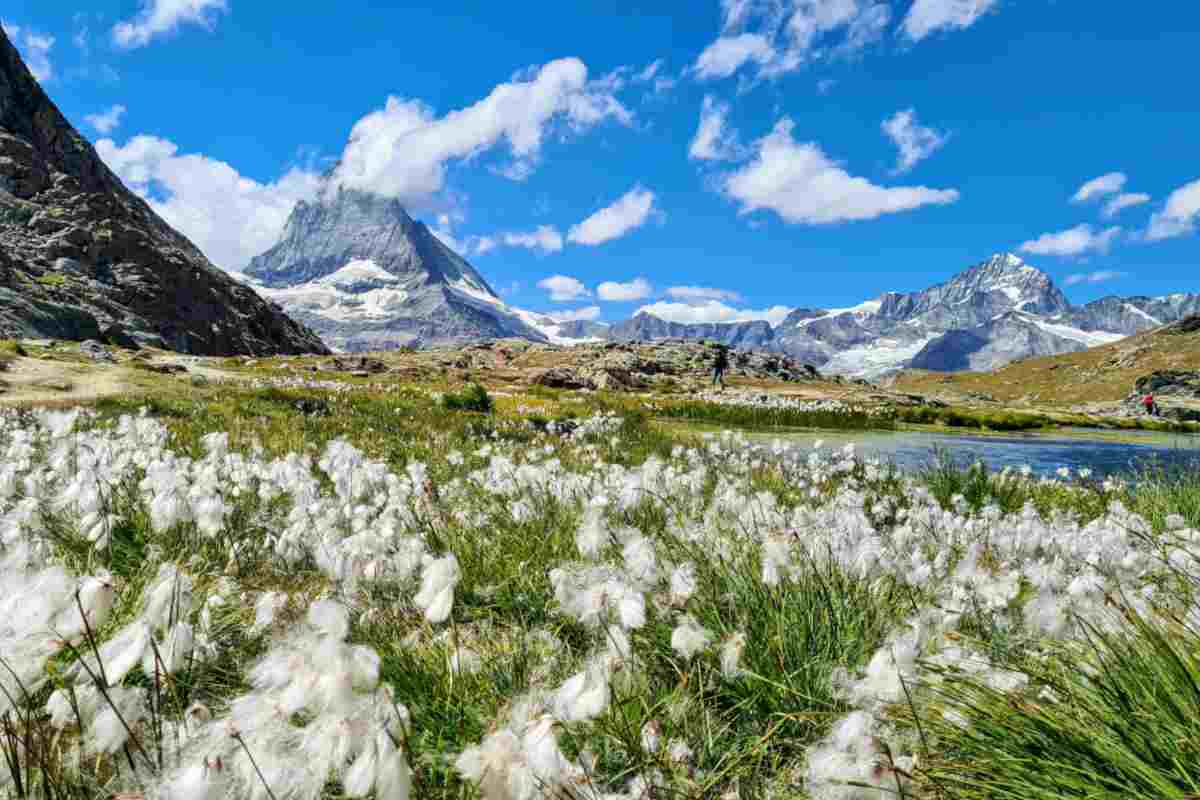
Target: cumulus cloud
column 230, row 217
column 914, row 141
column 162, row 17
column 403, row 149
column 780, row 36
column 714, row 139
column 628, row 213
column 34, row 48
column 713, row 311
column 613, row 292
column 702, row 294
column 546, row 239
column 728, row 54
column 929, row 16
column 1179, row 214
column 1099, row 187
column 1073, row 242
column 108, row 121
column 586, row 314
column 802, row 185
column 1100, row 276
column 563, row 288
column 1123, row 201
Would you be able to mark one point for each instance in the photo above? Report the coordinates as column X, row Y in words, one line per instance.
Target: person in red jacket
column 1150, row 406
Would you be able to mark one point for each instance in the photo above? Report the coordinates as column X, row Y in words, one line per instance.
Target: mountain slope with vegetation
column 1101, row 375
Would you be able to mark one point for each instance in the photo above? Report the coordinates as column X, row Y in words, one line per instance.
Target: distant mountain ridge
column 988, row 315
column 364, row 274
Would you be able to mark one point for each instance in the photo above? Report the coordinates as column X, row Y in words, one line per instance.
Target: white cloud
column 928, row 16
column 1073, row 241
column 802, row 185
column 586, row 314
column 699, row 294
column 107, row 122
column 1123, row 201
column 1099, row 187
column 230, row 217
column 628, row 213
column 915, row 142
column 1179, row 214
column 546, row 239
column 563, row 288
column 34, row 48
column 728, row 54
column 780, row 36
column 648, row 74
column 636, row 289
column 714, row 140
column 403, row 149
column 1100, row 276
column 713, row 311
column 162, row 17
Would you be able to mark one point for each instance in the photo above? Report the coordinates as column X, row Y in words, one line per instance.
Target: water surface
column 1044, row 454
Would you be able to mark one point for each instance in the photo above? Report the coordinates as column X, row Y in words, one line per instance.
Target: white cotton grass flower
column 690, row 637
column 651, row 736
column 683, row 583
column 268, row 605
column 436, row 596
column 731, row 655
column 585, row 695
column 679, row 751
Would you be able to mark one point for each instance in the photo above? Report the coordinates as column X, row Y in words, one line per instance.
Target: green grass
column 973, row 419
column 1123, row 722
column 764, row 418
column 473, row 398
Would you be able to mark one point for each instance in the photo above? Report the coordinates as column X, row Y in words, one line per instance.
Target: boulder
column 1169, row 382
column 96, row 351
column 562, row 378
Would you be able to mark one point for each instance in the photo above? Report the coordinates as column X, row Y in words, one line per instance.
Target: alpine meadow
column 757, row 400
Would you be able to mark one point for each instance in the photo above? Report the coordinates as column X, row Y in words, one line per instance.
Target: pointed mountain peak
column 343, row 226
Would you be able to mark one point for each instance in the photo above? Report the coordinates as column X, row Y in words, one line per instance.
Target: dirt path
column 35, row 381
column 39, row 381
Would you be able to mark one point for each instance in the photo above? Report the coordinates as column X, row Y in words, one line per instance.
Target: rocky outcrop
column 1175, row 383
column 82, row 257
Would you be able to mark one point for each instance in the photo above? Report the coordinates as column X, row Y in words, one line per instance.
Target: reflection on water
column 1044, row 454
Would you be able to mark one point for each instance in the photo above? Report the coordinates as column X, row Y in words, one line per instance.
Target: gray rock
column 63, row 211
column 1177, row 383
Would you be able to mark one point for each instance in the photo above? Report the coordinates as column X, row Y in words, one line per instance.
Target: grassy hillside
column 1102, row 374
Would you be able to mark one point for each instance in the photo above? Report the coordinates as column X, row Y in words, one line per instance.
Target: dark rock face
column 81, row 255
column 993, row 344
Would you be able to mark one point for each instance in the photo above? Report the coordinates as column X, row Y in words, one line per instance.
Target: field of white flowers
column 550, row 615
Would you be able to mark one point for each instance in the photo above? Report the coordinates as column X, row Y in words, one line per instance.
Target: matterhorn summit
column 365, row 275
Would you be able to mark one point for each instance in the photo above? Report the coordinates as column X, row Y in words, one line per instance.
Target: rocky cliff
column 83, row 257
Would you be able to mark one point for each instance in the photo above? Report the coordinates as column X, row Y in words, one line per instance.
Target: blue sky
column 737, row 157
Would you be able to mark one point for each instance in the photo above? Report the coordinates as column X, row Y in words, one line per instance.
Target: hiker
column 720, row 364
column 1150, row 406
